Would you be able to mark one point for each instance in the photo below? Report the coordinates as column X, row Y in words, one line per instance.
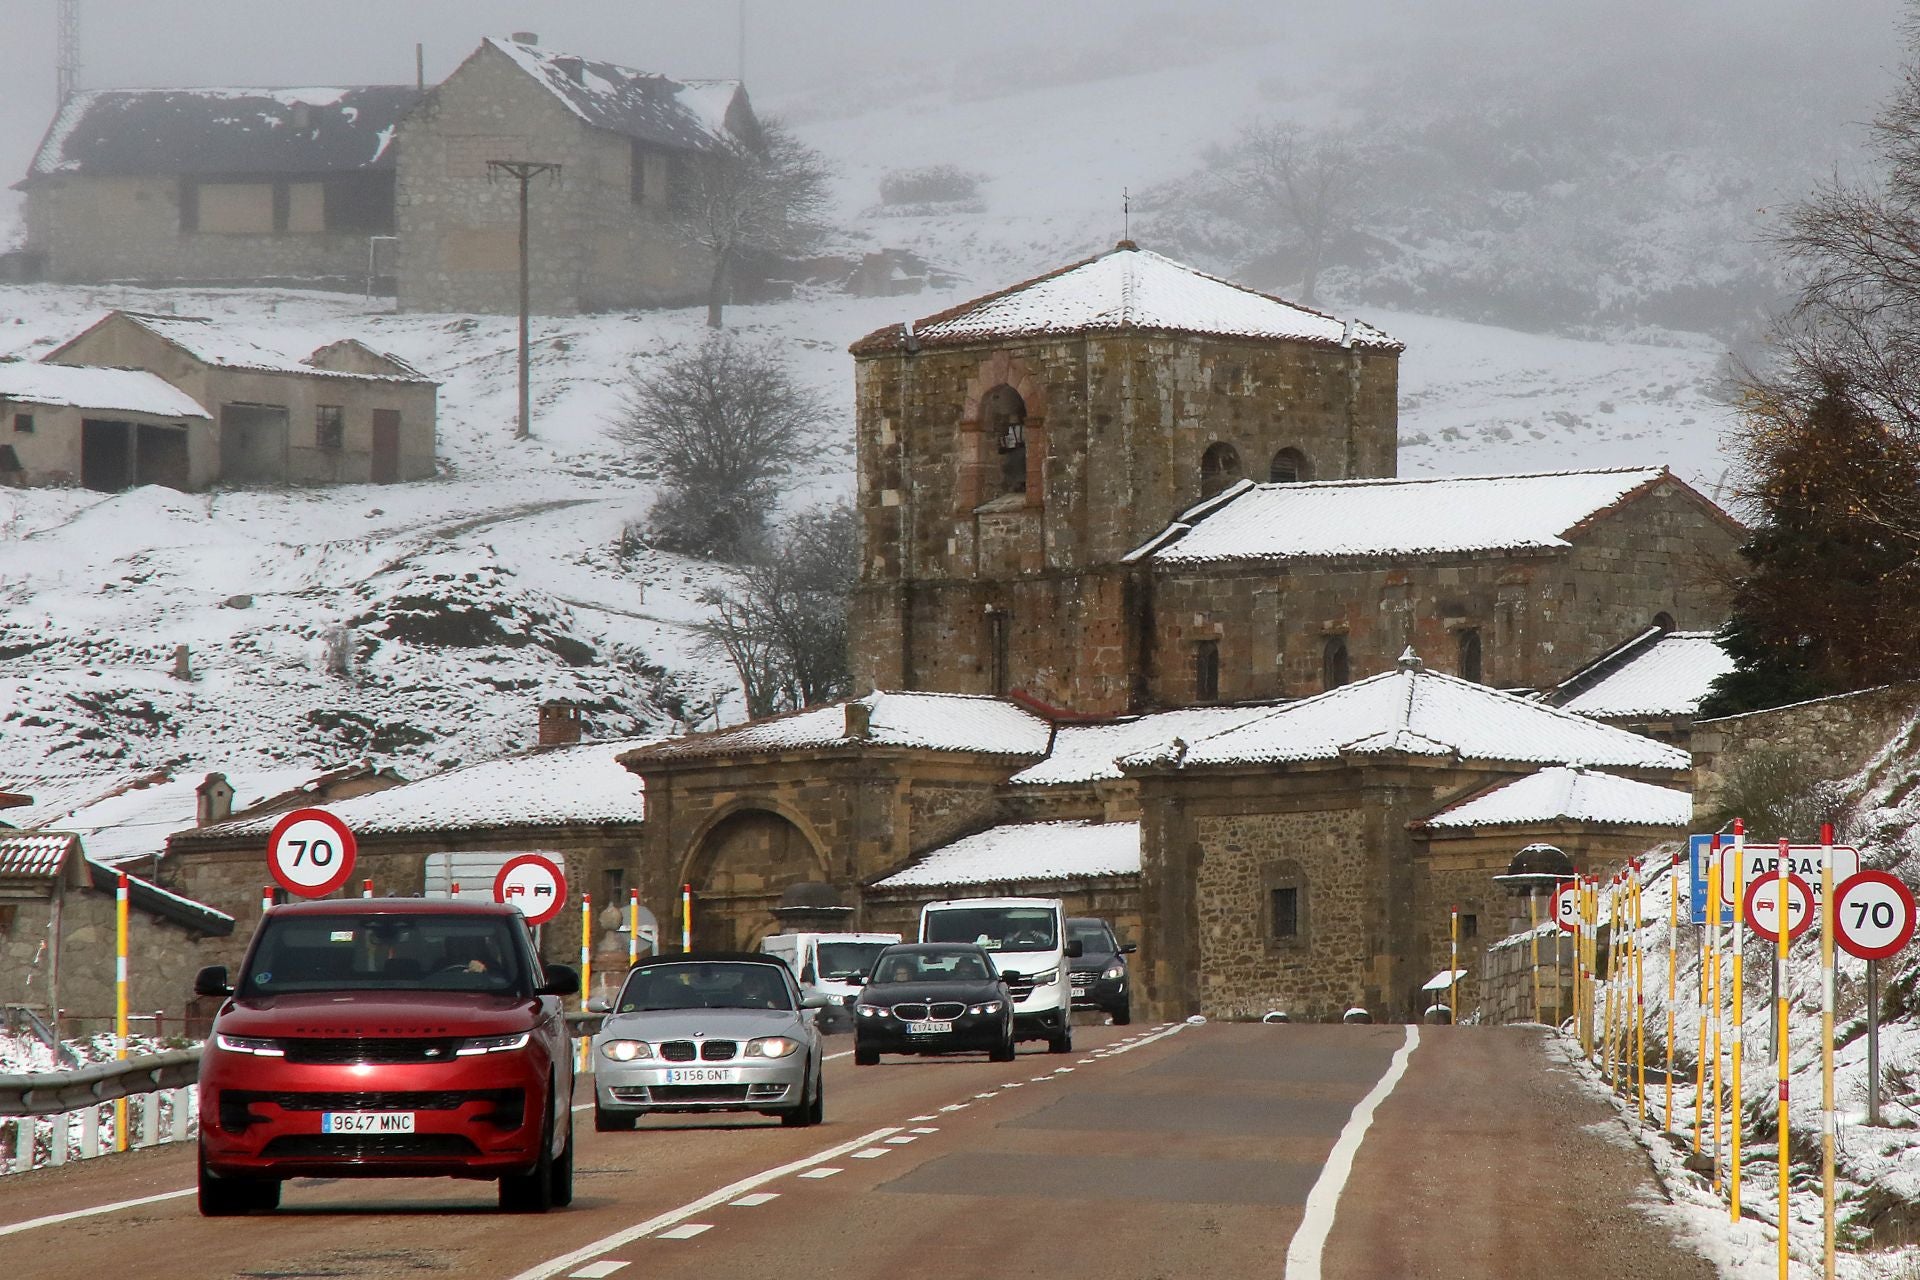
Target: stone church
column 1151, row 624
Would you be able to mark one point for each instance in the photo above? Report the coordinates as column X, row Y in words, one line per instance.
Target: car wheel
column 1005, row 1050
column 808, row 1113
column 865, row 1057
column 563, row 1171
column 613, row 1121
column 1123, row 1015
column 1062, row 1040
column 231, row 1197
column 532, row 1192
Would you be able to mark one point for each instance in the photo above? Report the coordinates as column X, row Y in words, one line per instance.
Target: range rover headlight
column 492, row 1044
column 626, row 1050
column 771, row 1047
column 250, row 1044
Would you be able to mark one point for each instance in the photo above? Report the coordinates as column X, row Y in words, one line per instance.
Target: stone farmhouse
column 211, row 405
column 215, row 186
column 601, row 232
column 334, row 187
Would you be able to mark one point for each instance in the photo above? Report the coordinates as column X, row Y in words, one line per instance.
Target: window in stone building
column 1219, row 467
column 613, row 886
column 1206, row 671
column 636, row 173
column 329, row 426
column 23, row 423
column 8, row 914
column 1003, row 420
column 1664, row 621
column 1334, row 670
column 998, row 646
column 1285, row 921
column 1469, row 925
column 1468, row 640
column 1289, row 466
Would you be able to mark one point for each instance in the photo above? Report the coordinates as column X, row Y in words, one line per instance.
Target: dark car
column 933, row 997
column 1099, row 973
column 387, row 1037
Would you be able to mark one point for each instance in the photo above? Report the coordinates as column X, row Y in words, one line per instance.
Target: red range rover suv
column 387, row 1037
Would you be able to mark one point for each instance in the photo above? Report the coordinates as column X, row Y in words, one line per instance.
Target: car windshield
column 995, row 928
column 387, row 952
column 921, row 966
column 848, row 959
column 710, row 985
column 1092, row 935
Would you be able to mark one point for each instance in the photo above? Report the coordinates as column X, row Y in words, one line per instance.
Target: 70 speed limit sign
column 1872, row 915
column 310, row 853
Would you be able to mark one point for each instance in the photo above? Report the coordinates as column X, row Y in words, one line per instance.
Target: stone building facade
column 601, row 230
column 345, row 414
column 215, row 186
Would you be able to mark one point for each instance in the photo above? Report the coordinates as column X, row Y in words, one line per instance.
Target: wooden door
column 386, row 446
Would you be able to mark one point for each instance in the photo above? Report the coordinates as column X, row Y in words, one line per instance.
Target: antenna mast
column 68, row 61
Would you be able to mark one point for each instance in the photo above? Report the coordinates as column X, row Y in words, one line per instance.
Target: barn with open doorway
column 104, row 429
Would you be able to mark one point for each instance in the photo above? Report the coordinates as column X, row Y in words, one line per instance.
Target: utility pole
column 523, row 172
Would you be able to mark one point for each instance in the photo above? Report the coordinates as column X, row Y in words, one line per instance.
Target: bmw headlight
column 991, row 1006
column 250, row 1044
column 626, row 1050
column 771, row 1047
column 1115, row 970
column 492, row 1044
column 872, row 1010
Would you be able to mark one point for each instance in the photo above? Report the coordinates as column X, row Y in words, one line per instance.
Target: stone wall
column 100, row 229
column 1500, row 989
column 1832, row 737
column 1116, row 427
column 591, row 247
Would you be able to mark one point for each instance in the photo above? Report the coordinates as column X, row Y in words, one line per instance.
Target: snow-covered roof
column 37, row 853
column 227, row 346
column 687, row 114
column 1570, row 794
column 1426, row 516
column 223, row 132
column 1127, row 288
column 1023, row 851
column 1413, row 711
column 1088, row 752
column 1667, row 677
column 922, row 721
column 559, row 786
column 85, row 387
column 145, row 895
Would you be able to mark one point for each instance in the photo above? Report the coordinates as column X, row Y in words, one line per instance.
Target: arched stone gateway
column 739, row 870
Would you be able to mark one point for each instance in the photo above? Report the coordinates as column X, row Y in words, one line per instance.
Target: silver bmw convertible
column 718, row 1031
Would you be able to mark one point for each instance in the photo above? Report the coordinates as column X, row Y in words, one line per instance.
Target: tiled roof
column 1127, row 288
column 35, row 853
column 922, row 721
column 1088, row 752
column 229, row 346
column 1571, row 794
column 582, row 784
column 1414, row 711
column 144, row 895
column 1668, row 677
column 686, row 114
column 1024, row 851
column 1431, row 516
column 84, row 387
column 224, row 131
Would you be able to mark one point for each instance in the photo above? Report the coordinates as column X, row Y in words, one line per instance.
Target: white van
column 822, row 963
column 1027, row 938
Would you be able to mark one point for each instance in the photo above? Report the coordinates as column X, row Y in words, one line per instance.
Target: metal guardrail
column 47, row 1093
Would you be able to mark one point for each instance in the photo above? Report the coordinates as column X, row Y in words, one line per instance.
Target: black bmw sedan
column 933, row 997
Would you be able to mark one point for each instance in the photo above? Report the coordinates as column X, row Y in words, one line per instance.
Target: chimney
column 214, row 802
column 302, row 117
column 526, row 37
column 859, row 720
column 572, row 68
column 559, row 723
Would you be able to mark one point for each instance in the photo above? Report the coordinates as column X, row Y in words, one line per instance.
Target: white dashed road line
column 598, row 1270
column 824, row 1172
column 755, row 1200
column 685, row 1231
column 871, row 1153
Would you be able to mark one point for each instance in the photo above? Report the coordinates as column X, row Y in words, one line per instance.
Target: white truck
column 1027, row 938
column 822, row 963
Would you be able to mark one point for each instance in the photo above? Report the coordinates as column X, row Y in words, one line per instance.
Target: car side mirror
column 562, row 980
column 1074, row 949
column 855, row 979
column 1128, row 948
column 212, row 981
column 815, row 1000
column 599, row 1004
column 849, row 1001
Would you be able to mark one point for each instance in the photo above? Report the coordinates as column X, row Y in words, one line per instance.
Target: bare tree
column 720, row 425
column 1294, row 190
column 783, row 625
column 766, row 193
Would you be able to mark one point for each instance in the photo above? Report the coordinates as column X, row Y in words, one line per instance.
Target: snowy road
column 1169, row 1151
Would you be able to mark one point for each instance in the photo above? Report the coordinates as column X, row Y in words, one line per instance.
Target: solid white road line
column 14, row 1228
column 733, row 1191
column 1316, row 1221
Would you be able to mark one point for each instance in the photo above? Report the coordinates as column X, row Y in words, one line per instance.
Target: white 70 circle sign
column 311, row 853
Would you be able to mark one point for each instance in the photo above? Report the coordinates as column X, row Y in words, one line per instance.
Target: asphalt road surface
column 1172, row 1151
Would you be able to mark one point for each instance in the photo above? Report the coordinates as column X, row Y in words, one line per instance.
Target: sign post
column 1827, row 1119
column 686, row 917
column 1673, row 923
column 633, row 927
column 586, row 974
column 310, row 853
column 1453, row 965
column 1783, row 937
column 1736, row 1111
column 1533, row 945
column 119, row 1008
column 1873, row 919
